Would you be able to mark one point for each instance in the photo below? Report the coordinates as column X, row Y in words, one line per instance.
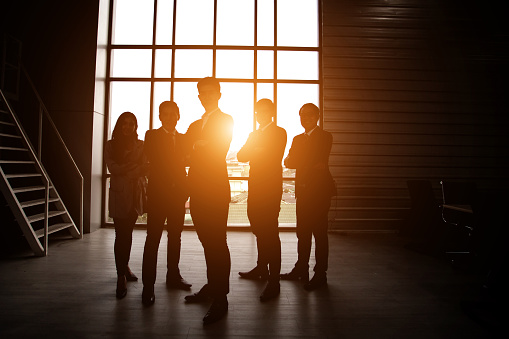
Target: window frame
column 109, row 79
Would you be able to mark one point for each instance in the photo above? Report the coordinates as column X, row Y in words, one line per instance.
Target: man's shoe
column 271, row 291
column 318, row 280
column 296, row 275
column 217, row 310
column 147, row 295
column 199, row 297
column 121, row 290
column 129, row 275
column 257, row 273
column 178, row 282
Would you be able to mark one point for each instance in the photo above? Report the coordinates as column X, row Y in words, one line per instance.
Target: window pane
column 130, row 97
column 133, row 22
column 162, row 92
column 264, row 91
column 195, row 22
column 297, row 23
column 237, row 101
column 164, row 23
column 193, row 63
column 265, row 65
column 234, row 64
column 290, row 98
column 235, row 22
column 185, row 95
column 265, row 23
column 163, row 63
column 131, row 63
column 297, row 65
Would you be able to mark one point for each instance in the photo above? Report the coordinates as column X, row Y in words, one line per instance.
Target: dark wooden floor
column 377, row 289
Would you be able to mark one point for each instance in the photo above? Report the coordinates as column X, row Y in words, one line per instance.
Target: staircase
column 26, row 186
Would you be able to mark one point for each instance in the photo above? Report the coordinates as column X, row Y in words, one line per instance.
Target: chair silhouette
column 459, row 204
column 424, row 223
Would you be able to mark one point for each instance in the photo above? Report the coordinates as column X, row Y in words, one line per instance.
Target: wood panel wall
column 412, row 90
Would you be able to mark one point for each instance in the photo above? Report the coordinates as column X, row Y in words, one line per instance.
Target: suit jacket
column 309, row 155
column 124, row 179
column 264, row 151
column 167, row 173
column 208, row 175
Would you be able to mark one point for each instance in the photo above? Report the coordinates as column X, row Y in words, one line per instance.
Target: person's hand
column 199, row 144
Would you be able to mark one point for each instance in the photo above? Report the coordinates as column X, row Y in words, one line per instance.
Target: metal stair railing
column 43, row 110
column 45, row 179
column 31, row 235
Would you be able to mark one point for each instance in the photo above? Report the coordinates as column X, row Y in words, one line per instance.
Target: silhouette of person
column 209, row 190
column 123, row 155
column 166, row 198
column 264, row 150
column 314, row 187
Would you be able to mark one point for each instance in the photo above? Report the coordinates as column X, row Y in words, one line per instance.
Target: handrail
column 62, row 142
column 40, row 167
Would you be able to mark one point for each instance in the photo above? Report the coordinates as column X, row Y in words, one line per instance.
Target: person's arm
column 114, row 167
column 322, row 154
column 215, row 145
column 292, row 159
column 247, row 151
column 139, row 169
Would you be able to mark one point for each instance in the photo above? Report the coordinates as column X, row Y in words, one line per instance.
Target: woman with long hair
column 124, row 158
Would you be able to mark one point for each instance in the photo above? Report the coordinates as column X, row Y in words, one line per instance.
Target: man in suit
column 166, row 197
column 314, row 187
column 264, row 150
column 209, row 186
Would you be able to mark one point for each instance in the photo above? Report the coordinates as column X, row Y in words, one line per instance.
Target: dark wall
column 413, row 89
column 59, row 44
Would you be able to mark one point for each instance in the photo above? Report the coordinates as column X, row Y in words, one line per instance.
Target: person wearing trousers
column 166, row 197
column 209, row 190
column 314, row 187
column 124, row 160
column 264, row 150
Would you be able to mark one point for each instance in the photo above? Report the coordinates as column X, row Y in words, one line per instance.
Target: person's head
column 309, row 116
column 265, row 111
column 209, row 93
column 126, row 126
column 169, row 114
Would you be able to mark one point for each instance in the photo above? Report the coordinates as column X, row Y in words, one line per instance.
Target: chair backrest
column 459, row 192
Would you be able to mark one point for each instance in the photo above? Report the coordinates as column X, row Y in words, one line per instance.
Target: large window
column 257, row 49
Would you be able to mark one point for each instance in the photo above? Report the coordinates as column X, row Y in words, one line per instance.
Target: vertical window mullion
column 275, row 59
column 320, row 63
column 172, row 81
column 255, row 66
column 152, row 71
column 214, row 40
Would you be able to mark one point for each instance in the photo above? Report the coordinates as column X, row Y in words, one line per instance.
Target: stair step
column 53, row 228
column 40, row 216
column 17, row 162
column 23, row 175
column 10, row 135
column 36, row 202
column 29, row 189
column 7, row 123
column 14, row 148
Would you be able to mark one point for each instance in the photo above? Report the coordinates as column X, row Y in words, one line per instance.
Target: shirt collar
column 173, row 132
column 309, row 133
column 265, row 127
column 206, row 115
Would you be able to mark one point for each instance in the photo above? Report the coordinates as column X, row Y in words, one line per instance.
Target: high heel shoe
column 129, row 275
column 121, row 291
